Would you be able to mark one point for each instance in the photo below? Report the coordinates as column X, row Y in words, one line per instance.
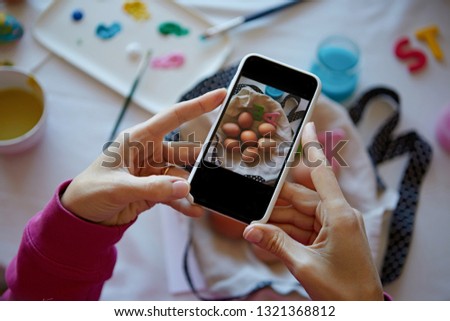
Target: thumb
column 276, row 241
column 159, row 188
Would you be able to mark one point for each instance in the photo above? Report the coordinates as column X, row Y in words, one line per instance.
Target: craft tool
column 141, row 71
column 221, row 28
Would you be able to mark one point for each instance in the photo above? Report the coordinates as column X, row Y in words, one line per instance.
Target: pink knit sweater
column 62, row 257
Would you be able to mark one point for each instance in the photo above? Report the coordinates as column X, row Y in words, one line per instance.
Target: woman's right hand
column 320, row 238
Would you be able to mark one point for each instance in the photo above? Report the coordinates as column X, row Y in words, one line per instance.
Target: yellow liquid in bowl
column 20, row 111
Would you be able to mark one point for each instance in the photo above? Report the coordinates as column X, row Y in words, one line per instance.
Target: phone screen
column 249, row 147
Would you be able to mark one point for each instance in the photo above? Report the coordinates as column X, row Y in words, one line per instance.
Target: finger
column 285, row 215
column 173, row 118
column 301, row 174
column 274, row 240
column 263, row 255
column 181, row 153
column 157, row 188
column 328, row 189
column 304, row 236
column 302, row 198
column 282, row 203
column 172, row 170
column 312, row 151
column 322, row 175
column 147, row 136
column 185, row 207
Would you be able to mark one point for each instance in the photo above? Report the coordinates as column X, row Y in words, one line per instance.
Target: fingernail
column 312, row 126
column 190, row 198
column 180, row 189
column 254, row 235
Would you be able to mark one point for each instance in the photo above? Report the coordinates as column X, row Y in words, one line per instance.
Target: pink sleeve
column 62, row 257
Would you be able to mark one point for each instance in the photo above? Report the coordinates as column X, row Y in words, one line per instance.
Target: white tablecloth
column 82, row 112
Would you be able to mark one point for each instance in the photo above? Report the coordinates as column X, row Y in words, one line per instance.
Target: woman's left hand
column 135, row 172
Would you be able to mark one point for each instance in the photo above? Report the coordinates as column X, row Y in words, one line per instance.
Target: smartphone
column 244, row 160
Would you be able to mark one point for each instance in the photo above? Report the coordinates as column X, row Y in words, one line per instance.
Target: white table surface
column 82, row 112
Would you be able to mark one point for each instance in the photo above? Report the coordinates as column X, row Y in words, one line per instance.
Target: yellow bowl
column 22, row 111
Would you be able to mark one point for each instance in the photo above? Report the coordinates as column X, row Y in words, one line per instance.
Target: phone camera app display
column 257, row 131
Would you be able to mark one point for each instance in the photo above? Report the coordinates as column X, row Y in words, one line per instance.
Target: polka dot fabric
column 384, row 147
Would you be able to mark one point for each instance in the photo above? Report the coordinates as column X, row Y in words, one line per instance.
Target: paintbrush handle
column 269, row 11
column 233, row 23
column 141, row 70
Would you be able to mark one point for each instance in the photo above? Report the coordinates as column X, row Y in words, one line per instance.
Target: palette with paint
column 107, row 39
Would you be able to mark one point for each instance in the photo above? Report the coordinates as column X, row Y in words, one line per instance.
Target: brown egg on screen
column 231, row 130
column 266, row 129
column 249, row 138
column 245, row 120
column 232, row 145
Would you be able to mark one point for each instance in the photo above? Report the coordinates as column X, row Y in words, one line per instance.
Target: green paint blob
column 172, row 28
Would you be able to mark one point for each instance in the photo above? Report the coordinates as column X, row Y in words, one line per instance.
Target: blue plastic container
column 337, row 67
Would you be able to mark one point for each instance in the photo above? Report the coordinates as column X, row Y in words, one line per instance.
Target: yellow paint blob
column 20, row 111
column 136, row 9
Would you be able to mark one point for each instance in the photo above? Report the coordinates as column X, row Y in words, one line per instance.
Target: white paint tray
column 108, row 61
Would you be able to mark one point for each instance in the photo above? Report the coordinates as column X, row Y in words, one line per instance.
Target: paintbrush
column 221, row 28
column 140, row 73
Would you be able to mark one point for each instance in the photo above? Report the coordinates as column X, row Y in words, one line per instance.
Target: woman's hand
column 134, row 172
column 320, row 238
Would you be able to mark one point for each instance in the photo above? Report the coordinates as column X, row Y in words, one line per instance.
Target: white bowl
column 13, row 78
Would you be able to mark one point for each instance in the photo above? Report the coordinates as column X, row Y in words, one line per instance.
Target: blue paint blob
column 77, row 15
column 334, row 68
column 107, row 32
